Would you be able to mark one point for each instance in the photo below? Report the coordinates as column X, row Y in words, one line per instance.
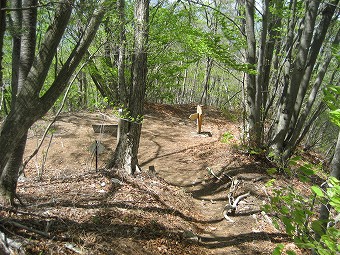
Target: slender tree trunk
column 275, row 22
column 15, row 28
column 208, row 68
column 184, row 87
column 294, row 78
column 2, row 36
column 297, row 79
column 121, row 53
column 125, row 157
column 295, row 137
column 318, row 38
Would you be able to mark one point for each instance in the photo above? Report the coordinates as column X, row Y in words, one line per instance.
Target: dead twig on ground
column 231, row 207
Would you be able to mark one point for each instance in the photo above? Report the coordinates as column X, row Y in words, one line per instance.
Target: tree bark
column 209, row 65
column 15, row 29
column 25, row 51
column 27, row 109
column 254, row 95
column 29, row 106
column 296, row 135
column 291, row 121
column 318, row 38
column 126, row 153
column 294, row 79
column 2, row 36
column 121, row 53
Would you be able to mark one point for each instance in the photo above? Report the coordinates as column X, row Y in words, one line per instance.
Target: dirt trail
column 184, row 160
column 145, row 215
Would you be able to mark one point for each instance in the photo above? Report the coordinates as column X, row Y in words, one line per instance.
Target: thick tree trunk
column 29, row 107
column 126, row 153
column 10, row 174
column 23, row 48
column 253, row 91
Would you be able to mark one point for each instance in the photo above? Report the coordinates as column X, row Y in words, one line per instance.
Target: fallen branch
column 9, row 246
column 73, row 248
column 42, row 233
column 231, row 208
column 211, row 172
column 225, row 214
column 239, row 198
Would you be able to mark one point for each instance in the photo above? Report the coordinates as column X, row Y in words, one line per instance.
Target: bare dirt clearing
column 176, row 209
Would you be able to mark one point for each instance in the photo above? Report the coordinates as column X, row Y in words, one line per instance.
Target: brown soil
column 175, row 209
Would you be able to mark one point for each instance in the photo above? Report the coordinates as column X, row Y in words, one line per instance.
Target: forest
column 226, row 117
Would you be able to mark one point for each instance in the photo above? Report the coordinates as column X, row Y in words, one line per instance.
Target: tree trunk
column 10, row 174
column 121, row 53
column 125, row 157
column 25, row 51
column 15, row 28
column 318, row 38
column 208, row 68
column 29, row 106
column 296, row 135
column 253, row 94
column 294, row 79
column 2, row 36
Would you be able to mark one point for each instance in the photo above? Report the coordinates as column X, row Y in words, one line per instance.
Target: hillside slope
column 175, row 206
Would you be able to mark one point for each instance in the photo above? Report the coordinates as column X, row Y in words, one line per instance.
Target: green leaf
column 318, row 191
column 303, row 178
column 278, row 249
column 317, row 227
column 293, row 161
column 303, row 243
column 288, row 225
column 307, row 169
column 276, row 224
column 335, row 116
column 271, row 171
column 285, row 210
column 270, row 183
column 290, row 252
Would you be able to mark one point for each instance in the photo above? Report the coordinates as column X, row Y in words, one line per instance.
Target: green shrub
column 298, row 214
column 226, row 137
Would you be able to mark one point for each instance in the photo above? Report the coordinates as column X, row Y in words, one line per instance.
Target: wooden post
column 199, row 118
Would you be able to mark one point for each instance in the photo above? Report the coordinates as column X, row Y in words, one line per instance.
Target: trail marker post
column 199, row 117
